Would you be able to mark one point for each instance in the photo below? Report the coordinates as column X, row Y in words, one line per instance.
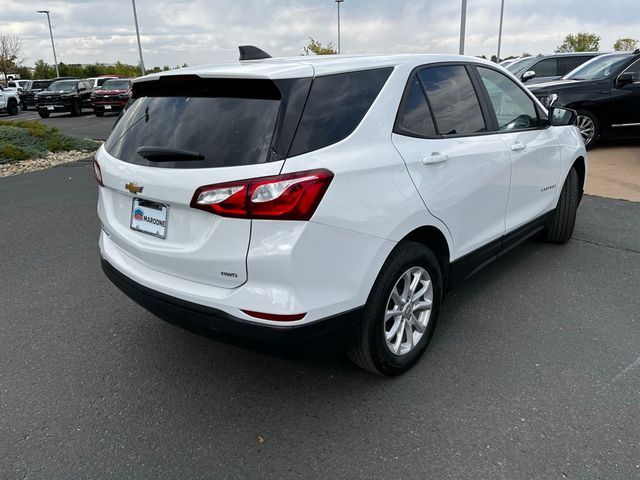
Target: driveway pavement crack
column 607, row 246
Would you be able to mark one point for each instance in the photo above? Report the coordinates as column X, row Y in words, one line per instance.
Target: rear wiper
column 164, row 154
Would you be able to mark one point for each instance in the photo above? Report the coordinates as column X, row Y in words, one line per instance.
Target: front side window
column 514, row 109
column 546, row 68
column 414, row 118
column 453, row 100
column 635, row 69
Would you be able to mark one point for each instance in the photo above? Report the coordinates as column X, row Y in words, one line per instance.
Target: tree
column 525, row 54
column 494, row 58
column 10, row 51
column 314, row 47
column 625, row 45
column 43, row 70
column 580, row 42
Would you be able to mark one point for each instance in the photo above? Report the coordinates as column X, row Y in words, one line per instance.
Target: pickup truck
column 9, row 100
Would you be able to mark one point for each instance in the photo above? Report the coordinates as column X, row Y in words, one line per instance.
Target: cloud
column 206, row 31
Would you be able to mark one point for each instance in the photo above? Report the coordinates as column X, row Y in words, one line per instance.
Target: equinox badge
column 133, row 187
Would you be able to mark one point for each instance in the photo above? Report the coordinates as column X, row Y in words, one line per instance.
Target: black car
column 544, row 68
column 64, row 96
column 606, row 93
column 27, row 97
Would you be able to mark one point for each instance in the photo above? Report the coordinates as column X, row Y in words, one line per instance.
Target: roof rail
column 249, row 52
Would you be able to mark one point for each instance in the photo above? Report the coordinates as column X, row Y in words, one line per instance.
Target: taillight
column 292, row 196
column 97, row 172
column 275, row 317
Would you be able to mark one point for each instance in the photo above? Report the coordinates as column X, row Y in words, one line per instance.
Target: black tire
column 76, row 109
column 98, row 114
column 12, row 108
column 564, row 217
column 43, row 114
column 370, row 350
column 23, row 106
column 596, row 126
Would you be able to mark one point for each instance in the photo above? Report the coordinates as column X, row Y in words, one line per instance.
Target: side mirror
column 626, row 78
column 528, row 75
column 561, row 117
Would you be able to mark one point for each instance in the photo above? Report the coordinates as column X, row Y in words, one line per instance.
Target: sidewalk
column 614, row 171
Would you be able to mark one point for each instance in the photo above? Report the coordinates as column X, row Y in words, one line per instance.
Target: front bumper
column 327, row 336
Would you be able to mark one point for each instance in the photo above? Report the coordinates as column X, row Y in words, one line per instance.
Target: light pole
column 500, row 30
column 463, row 22
column 339, row 2
column 55, row 59
column 135, row 19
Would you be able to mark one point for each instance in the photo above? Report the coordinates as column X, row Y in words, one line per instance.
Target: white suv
column 299, row 201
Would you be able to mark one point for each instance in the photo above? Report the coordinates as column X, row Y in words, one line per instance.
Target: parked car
column 64, row 96
column 19, row 85
column 290, row 201
column 27, row 97
column 606, row 94
column 9, row 100
column 112, row 96
column 506, row 63
column 544, row 68
column 98, row 81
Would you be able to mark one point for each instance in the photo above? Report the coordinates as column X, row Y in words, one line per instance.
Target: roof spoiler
column 249, row 52
column 636, row 51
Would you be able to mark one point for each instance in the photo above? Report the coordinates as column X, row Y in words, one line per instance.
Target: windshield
column 62, row 86
column 115, row 85
column 519, row 65
column 599, row 68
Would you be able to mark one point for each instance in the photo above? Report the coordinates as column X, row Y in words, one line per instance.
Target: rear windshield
column 226, row 126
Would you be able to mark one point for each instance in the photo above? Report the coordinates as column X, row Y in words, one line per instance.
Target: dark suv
column 64, row 96
column 606, row 93
column 544, row 68
column 28, row 97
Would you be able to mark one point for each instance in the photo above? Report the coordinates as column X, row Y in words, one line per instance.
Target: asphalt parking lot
column 85, row 126
column 534, row 370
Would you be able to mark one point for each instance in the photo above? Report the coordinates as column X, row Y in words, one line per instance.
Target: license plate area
column 149, row 217
column 107, row 107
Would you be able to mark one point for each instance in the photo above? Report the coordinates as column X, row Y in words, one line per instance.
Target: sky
column 208, row 31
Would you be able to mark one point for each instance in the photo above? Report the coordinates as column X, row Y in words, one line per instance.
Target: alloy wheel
column 408, row 311
column 587, row 128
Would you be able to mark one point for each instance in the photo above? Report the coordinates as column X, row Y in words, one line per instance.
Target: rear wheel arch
column 581, row 169
column 434, row 239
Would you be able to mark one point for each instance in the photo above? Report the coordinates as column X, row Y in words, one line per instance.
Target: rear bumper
column 115, row 106
column 326, row 336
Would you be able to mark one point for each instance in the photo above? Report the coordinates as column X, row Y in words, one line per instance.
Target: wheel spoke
column 397, row 297
column 422, row 305
column 409, row 332
column 398, row 342
column 417, row 276
column 425, row 288
column 406, row 289
column 392, row 313
column 394, row 329
column 419, row 326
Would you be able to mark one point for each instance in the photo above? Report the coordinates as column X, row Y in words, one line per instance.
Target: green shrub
column 12, row 152
column 22, row 139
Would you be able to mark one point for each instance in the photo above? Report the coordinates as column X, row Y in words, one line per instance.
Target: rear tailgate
column 198, row 246
column 231, row 129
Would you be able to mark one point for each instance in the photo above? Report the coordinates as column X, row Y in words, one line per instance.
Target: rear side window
column 453, row 100
column 414, row 117
column 228, row 122
column 335, row 107
column 566, row 64
column 546, row 68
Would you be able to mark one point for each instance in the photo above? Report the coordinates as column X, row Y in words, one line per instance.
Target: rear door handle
column 518, row 146
column 435, row 157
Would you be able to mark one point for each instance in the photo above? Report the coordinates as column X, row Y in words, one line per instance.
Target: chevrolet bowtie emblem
column 133, row 187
